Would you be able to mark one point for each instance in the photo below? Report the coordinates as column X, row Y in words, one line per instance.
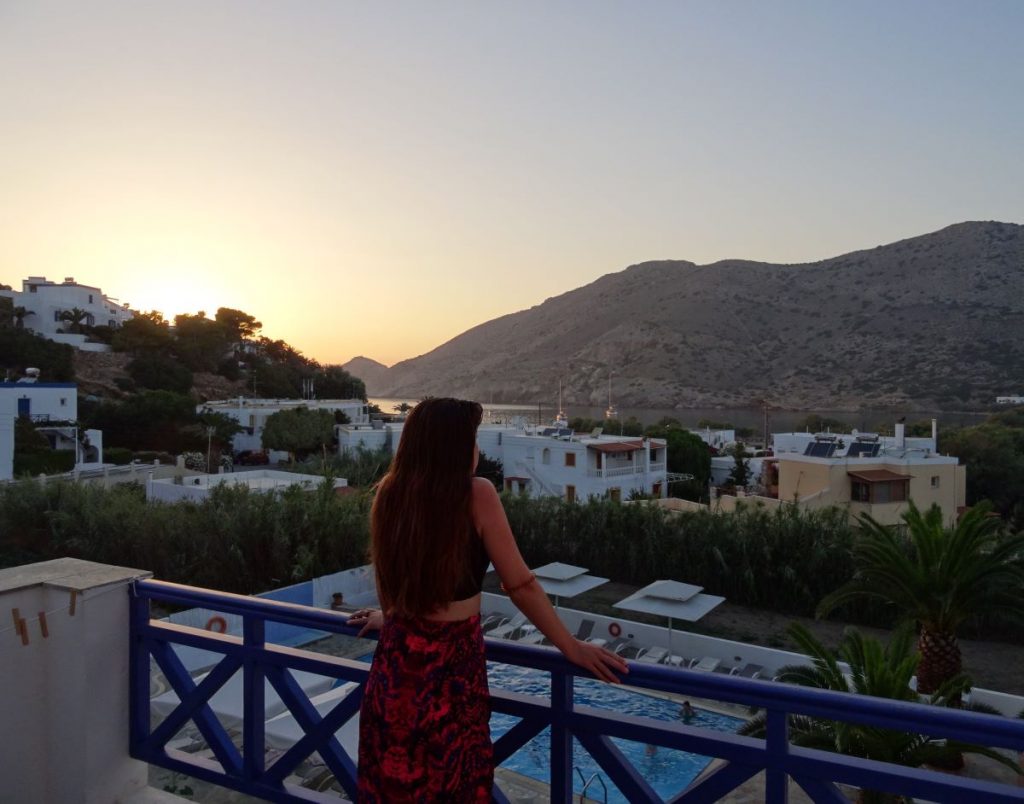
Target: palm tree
column 20, row 314
column 880, row 671
column 75, row 316
column 939, row 577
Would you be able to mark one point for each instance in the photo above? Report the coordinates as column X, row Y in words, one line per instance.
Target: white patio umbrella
column 566, row 580
column 672, row 599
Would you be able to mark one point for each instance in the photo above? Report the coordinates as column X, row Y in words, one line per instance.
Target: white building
column 722, row 467
column 7, row 412
column 373, row 436
column 53, row 409
column 1010, row 400
column 45, row 301
column 715, row 438
column 252, row 415
column 577, row 467
column 550, row 461
column 798, row 443
column 261, row 481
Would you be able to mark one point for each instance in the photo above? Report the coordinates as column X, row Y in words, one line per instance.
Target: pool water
column 667, row 770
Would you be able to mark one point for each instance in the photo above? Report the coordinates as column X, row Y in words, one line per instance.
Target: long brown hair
column 421, row 520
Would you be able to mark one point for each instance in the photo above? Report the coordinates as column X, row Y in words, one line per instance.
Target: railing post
column 254, row 686
column 777, row 747
column 138, row 670
column 561, row 737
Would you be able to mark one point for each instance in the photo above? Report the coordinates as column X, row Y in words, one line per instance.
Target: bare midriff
column 457, row 610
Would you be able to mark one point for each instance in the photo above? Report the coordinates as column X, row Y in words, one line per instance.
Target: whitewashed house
column 577, row 467
column 252, row 415
column 45, row 301
column 53, row 409
column 261, row 481
column 552, row 461
column 8, row 407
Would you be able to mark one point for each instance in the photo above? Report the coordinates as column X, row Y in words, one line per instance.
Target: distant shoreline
column 739, row 416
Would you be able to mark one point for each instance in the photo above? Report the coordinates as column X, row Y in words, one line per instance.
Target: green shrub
column 53, row 462
column 117, row 455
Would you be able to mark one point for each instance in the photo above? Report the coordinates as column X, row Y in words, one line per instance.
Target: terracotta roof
column 877, row 475
column 617, row 446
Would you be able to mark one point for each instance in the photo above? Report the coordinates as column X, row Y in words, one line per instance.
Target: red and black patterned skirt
column 424, row 733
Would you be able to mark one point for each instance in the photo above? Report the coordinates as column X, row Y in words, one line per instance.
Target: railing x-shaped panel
column 817, row 772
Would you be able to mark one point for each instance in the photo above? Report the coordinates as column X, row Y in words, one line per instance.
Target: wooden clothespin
column 42, row 625
column 20, row 626
column 74, row 602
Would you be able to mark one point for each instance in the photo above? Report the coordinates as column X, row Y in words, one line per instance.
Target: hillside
column 930, row 322
column 369, row 371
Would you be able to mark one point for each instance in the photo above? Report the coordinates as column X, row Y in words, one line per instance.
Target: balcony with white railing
column 101, row 705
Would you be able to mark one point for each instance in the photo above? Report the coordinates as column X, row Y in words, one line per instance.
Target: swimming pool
column 668, row 771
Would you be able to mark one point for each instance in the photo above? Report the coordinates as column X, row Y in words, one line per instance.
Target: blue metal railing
column 817, row 772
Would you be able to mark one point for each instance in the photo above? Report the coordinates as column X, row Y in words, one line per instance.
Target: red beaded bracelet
column 509, row 590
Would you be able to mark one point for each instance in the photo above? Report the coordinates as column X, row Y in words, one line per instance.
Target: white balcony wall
column 64, row 696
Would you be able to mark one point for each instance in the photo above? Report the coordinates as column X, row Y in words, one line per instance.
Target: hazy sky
column 375, row 178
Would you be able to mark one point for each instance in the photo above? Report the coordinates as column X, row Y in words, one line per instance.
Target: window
column 56, row 315
column 570, row 494
column 545, row 456
column 31, row 288
column 570, row 459
column 63, row 401
column 881, row 492
column 935, row 481
column 90, row 298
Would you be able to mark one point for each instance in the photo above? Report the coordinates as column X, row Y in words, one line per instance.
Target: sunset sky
column 375, row 178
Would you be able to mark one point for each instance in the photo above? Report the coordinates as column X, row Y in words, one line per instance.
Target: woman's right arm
column 528, row 596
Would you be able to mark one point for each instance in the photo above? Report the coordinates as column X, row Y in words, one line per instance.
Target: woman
column 423, row 732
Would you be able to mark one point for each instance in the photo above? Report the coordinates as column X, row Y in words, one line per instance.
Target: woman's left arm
column 528, row 596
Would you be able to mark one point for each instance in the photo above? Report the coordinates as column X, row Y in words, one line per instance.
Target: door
column 25, row 407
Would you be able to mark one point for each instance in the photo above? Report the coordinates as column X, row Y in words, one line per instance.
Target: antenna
column 611, row 413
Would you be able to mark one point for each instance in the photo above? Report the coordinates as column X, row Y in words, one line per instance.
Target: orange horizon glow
column 366, row 181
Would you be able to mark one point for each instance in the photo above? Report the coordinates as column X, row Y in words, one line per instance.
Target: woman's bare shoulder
column 483, row 489
column 483, row 485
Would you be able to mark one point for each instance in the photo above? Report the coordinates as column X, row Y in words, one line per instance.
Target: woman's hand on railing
column 602, row 663
column 370, row 619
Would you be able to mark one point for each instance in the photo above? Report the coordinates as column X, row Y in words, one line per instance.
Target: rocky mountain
column 935, row 321
column 369, row 371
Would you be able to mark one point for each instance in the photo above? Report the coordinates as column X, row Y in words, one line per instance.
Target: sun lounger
column 655, row 655
column 708, row 664
column 623, row 646
column 492, row 620
column 227, row 703
column 748, row 670
column 284, row 731
column 509, row 627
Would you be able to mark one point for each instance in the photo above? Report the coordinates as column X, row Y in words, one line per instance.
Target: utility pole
column 209, row 445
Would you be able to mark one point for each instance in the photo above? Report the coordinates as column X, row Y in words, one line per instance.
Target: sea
column 778, row 420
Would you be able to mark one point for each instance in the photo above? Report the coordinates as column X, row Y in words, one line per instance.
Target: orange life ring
column 614, row 629
column 220, row 622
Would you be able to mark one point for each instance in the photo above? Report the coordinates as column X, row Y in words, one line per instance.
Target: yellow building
column 879, row 486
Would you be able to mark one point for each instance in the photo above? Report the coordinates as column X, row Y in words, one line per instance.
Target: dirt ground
column 992, row 665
